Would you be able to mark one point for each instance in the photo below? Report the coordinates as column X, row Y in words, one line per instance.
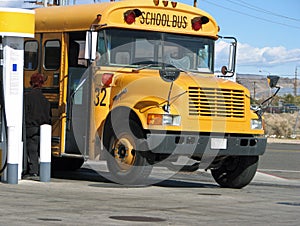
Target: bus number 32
column 100, row 95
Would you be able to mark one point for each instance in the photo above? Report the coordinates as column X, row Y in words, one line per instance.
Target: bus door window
column 76, row 54
column 73, row 54
column 76, row 70
column 77, row 93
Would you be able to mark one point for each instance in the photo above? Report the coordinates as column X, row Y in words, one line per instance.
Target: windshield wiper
column 142, row 67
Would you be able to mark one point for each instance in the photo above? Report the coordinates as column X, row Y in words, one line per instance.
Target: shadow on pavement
column 84, row 174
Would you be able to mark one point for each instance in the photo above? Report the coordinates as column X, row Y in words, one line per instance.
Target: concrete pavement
column 194, row 201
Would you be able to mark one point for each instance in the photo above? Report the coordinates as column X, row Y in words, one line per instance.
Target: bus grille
column 215, row 102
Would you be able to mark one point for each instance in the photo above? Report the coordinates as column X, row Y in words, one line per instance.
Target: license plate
column 218, row 143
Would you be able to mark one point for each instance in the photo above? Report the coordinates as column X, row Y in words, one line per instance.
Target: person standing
column 37, row 112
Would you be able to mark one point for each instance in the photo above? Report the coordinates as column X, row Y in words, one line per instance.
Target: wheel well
column 118, row 114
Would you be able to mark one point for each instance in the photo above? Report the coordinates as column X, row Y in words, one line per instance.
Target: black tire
column 236, row 171
column 126, row 165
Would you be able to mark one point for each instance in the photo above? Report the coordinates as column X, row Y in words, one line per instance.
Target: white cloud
column 248, row 55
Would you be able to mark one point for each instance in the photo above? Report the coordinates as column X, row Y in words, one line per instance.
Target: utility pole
column 295, row 84
column 254, row 90
column 195, row 3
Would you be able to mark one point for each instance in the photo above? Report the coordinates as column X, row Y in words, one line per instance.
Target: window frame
column 36, row 60
column 45, row 55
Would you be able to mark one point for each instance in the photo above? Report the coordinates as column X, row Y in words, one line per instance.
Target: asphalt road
column 282, row 160
column 85, row 197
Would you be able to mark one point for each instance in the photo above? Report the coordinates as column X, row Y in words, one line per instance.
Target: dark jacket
column 37, row 109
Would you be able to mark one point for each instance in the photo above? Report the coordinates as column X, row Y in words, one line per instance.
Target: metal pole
column 254, row 91
column 295, row 84
column 12, row 157
column 195, row 3
column 45, row 153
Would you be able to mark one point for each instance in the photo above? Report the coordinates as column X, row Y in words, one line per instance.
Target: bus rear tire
column 126, row 165
column 236, row 171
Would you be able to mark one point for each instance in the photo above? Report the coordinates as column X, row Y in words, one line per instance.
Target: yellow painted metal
column 63, row 84
column 154, row 18
column 124, row 152
column 16, row 22
column 228, row 102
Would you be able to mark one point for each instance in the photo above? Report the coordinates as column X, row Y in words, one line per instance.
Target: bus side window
column 52, row 54
column 30, row 55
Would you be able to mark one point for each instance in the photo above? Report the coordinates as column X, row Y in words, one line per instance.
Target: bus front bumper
column 198, row 145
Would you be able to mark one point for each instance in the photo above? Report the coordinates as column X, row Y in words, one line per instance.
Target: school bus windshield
column 135, row 49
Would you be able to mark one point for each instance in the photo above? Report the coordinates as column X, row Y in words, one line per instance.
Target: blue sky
column 268, row 32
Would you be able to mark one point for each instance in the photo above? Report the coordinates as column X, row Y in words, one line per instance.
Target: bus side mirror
column 232, row 58
column 273, row 80
column 90, row 45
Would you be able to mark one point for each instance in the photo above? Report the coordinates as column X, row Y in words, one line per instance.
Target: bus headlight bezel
column 256, row 124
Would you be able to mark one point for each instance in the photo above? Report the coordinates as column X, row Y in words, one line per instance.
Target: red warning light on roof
column 197, row 22
column 130, row 15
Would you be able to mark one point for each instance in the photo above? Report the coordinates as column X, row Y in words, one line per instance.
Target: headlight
column 256, row 124
column 163, row 120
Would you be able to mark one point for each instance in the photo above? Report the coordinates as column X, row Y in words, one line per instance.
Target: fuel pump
column 3, row 137
column 16, row 24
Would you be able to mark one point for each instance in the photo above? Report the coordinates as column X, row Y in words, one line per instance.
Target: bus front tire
column 126, row 164
column 236, row 171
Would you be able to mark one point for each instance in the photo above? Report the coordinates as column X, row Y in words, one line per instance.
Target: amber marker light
column 174, row 4
column 154, row 119
column 165, row 3
column 163, row 119
column 99, row 17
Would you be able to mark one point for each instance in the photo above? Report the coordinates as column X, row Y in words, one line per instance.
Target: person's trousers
column 32, row 147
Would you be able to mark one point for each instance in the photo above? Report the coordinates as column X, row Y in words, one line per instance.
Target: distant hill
column 258, row 84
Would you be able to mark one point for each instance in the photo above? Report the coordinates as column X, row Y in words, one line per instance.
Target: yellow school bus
column 132, row 82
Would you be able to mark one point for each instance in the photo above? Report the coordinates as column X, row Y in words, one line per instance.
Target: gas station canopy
column 16, row 22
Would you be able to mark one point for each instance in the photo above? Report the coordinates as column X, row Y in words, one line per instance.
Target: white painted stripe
column 267, row 177
column 277, row 170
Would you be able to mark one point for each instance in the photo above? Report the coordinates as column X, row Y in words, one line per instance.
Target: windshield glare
column 135, row 49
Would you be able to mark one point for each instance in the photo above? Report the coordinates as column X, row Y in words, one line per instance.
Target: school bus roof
column 171, row 17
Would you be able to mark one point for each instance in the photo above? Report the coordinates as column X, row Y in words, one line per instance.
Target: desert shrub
column 280, row 125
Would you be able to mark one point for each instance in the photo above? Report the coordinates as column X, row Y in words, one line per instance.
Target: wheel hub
column 124, row 153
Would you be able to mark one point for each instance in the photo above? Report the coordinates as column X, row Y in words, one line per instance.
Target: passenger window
column 30, row 55
column 52, row 55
